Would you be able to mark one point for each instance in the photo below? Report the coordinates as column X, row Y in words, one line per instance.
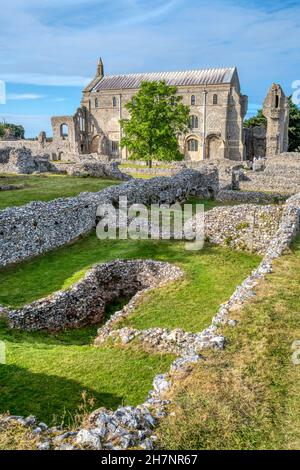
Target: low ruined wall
column 249, row 197
column 84, row 303
column 133, row 426
column 152, row 171
column 32, row 145
column 281, row 175
column 93, row 168
column 243, row 227
column 21, row 161
column 39, row 227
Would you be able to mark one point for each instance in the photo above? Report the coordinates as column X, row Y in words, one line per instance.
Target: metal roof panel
column 186, row 78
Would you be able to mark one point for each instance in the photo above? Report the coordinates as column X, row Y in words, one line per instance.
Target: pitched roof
column 186, row 78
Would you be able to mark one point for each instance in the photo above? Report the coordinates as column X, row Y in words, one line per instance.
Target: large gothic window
column 215, row 99
column 193, row 100
column 193, row 145
column 194, row 122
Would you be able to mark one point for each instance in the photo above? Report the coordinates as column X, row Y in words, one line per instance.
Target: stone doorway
column 95, row 144
column 214, row 147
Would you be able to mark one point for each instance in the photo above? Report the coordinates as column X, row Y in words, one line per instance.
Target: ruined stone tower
column 276, row 110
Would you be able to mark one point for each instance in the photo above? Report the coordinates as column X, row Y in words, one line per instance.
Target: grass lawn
column 47, row 187
column 246, row 397
column 46, row 374
column 210, row 277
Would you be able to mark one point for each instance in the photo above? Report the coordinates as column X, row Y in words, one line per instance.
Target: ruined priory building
column 217, row 110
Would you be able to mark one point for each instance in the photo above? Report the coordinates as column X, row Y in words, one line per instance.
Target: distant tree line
column 294, row 125
column 16, row 131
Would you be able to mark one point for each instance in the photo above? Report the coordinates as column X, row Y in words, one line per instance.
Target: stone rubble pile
column 21, row 161
column 94, row 168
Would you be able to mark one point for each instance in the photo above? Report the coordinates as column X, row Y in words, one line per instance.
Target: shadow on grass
column 50, row 398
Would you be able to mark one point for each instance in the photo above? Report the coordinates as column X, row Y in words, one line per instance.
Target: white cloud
column 44, row 80
column 30, row 122
column 23, row 96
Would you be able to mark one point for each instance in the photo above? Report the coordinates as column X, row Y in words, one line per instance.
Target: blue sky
column 49, row 48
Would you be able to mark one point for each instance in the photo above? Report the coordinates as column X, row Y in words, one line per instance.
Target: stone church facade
column 217, row 110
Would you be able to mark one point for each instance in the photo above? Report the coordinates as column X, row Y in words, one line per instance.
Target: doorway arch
column 95, row 144
column 192, row 148
column 214, row 147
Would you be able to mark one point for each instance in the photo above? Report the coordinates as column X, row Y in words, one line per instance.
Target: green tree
column 258, row 120
column 2, row 130
column 294, row 127
column 157, row 118
column 17, row 131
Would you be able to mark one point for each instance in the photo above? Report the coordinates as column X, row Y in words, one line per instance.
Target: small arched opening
column 194, row 122
column 192, row 148
column 64, row 131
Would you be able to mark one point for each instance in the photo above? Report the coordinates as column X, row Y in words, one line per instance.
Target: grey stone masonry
column 84, row 303
column 38, row 227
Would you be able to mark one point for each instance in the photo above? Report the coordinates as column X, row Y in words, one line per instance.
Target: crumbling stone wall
column 276, row 110
column 84, row 303
column 22, row 161
column 243, row 227
column 281, row 174
column 255, row 142
column 38, row 227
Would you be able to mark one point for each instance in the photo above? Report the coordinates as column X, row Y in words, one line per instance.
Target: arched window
column 96, row 103
column 194, row 122
column 114, row 102
column 277, row 102
column 64, row 131
column 193, row 145
column 82, row 124
column 193, row 100
column 215, row 99
column 114, row 146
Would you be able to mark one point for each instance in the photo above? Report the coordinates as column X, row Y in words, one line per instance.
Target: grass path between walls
column 46, row 374
column 248, row 396
column 47, row 187
column 211, row 276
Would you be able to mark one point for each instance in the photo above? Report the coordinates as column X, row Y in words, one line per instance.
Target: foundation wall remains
column 38, row 227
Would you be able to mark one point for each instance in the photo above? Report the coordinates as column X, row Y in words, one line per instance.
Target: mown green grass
column 47, row 187
column 246, row 397
column 210, row 277
column 46, row 374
